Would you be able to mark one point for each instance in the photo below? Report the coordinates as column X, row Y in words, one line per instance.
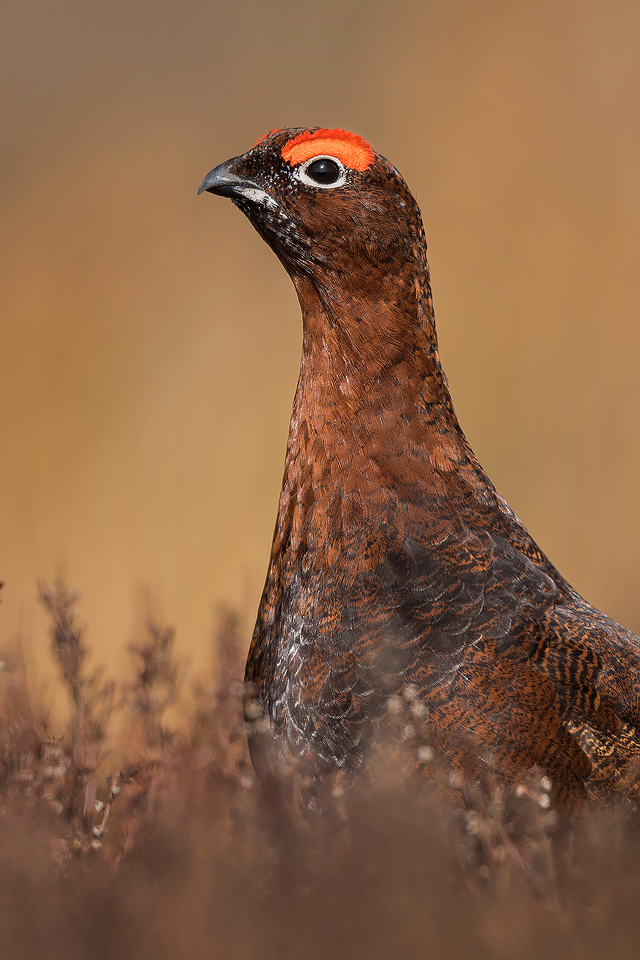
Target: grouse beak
column 220, row 180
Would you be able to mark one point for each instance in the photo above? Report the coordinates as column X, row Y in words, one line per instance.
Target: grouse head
column 313, row 192
column 347, row 229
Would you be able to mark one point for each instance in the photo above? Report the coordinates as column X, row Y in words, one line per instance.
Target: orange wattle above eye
column 349, row 148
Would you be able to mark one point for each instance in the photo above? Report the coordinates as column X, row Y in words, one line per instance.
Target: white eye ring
column 301, row 173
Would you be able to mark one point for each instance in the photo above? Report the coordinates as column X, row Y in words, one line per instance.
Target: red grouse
column 395, row 561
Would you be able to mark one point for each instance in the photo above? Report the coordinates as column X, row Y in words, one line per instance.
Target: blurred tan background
column 150, row 340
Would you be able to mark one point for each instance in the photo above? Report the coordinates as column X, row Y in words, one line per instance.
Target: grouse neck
column 364, row 349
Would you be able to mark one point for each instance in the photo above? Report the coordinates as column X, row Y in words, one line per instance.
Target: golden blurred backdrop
column 150, row 340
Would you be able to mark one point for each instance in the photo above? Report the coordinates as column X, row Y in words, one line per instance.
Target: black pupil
column 323, row 171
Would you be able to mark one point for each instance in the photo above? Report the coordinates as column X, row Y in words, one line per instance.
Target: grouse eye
column 322, row 172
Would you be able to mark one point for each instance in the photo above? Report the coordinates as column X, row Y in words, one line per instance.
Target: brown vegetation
column 174, row 850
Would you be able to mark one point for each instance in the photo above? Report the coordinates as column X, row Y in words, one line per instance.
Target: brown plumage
column 395, row 561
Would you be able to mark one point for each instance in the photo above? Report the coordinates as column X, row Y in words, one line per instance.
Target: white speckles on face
column 257, row 195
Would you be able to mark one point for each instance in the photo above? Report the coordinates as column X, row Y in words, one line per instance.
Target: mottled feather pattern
column 395, row 561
